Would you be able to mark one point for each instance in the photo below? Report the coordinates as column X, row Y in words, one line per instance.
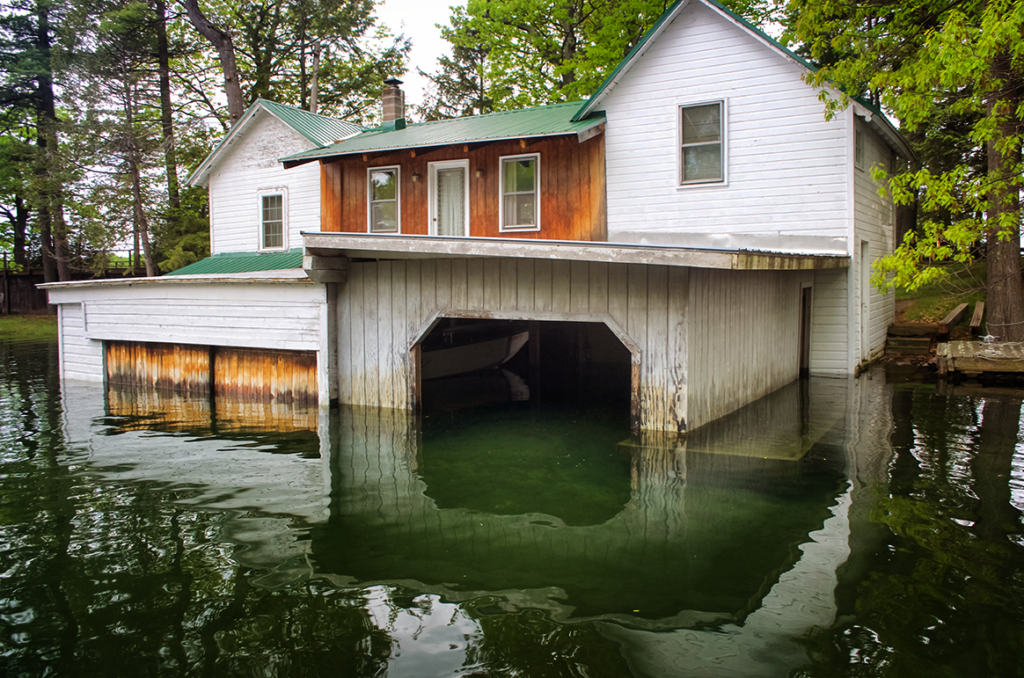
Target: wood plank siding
column 80, row 358
column 744, row 342
column 252, row 168
column 246, row 374
column 874, row 223
column 746, row 326
column 571, row 174
column 787, row 167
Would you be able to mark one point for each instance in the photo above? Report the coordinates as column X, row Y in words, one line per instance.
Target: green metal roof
column 541, row 121
column 243, row 262
column 319, row 129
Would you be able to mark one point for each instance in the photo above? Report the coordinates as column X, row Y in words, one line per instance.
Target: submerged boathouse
column 697, row 221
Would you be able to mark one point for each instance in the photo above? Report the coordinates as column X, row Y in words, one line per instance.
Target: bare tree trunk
column 1004, row 305
column 20, row 225
column 221, row 40
column 141, row 221
column 46, row 119
column 314, row 83
column 166, row 117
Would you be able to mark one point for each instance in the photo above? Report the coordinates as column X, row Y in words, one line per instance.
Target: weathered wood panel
column 572, row 188
column 255, row 374
column 178, row 367
column 242, row 374
column 381, row 372
column 744, row 330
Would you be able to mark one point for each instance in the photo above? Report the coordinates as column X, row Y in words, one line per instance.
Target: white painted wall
column 250, row 167
column 81, row 358
column 874, row 222
column 787, row 171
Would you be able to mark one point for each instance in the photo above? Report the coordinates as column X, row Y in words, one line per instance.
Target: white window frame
column 859, row 148
column 432, row 169
column 398, row 198
column 266, row 193
column 724, row 142
column 502, row 228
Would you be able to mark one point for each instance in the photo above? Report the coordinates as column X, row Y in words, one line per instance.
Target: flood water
column 836, row 528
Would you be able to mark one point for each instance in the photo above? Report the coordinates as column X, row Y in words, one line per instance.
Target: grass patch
column 934, row 301
column 28, row 327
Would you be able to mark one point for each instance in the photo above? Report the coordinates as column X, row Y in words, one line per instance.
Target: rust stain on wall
column 240, row 373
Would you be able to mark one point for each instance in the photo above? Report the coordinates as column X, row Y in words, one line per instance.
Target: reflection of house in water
column 748, row 544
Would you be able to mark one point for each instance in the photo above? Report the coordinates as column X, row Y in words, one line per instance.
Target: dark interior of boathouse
column 561, row 363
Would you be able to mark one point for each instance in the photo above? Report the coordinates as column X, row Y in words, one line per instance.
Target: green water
column 846, row 528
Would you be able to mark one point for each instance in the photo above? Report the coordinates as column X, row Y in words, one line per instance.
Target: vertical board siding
column 744, row 336
column 830, row 323
column 175, row 367
column 380, row 371
column 250, row 374
column 252, row 165
column 786, row 171
column 81, row 358
column 277, row 376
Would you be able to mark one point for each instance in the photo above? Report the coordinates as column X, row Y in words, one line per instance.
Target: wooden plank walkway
column 976, row 357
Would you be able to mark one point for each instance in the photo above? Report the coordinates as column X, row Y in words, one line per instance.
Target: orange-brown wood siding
column 572, row 188
column 284, row 376
column 330, row 196
column 250, row 374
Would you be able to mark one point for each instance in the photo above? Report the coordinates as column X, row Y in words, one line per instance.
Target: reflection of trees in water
column 941, row 591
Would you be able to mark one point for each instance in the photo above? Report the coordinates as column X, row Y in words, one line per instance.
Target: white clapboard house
column 699, row 210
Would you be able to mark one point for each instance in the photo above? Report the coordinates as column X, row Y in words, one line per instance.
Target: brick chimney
column 394, row 105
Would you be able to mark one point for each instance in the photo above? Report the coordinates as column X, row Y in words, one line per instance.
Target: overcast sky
column 417, row 19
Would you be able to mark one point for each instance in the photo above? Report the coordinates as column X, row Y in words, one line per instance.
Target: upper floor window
column 383, row 199
column 858, row 149
column 272, row 220
column 520, row 193
column 702, row 140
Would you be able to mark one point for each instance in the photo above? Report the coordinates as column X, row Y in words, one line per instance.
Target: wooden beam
column 953, row 319
column 979, row 313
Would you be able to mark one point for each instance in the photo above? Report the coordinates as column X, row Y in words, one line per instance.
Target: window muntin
column 701, row 144
column 520, row 193
column 383, row 199
column 272, row 221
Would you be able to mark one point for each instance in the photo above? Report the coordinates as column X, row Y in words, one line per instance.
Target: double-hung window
column 383, row 199
column 702, row 142
column 272, row 220
column 520, row 193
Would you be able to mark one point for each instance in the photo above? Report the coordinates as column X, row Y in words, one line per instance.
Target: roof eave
column 201, row 175
column 303, row 158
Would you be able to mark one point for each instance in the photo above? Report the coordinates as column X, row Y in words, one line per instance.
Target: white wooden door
column 449, row 198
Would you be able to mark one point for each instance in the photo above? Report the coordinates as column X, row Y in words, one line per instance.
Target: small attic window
column 858, row 149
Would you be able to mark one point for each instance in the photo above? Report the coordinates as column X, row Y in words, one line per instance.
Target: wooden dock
column 973, row 358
